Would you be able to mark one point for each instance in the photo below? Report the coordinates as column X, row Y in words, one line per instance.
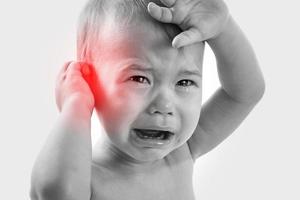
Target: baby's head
column 147, row 84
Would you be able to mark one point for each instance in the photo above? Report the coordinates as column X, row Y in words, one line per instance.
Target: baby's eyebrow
column 190, row 72
column 137, row 67
column 133, row 64
column 181, row 72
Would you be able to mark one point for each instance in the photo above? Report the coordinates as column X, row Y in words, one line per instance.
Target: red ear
column 87, row 73
column 85, row 69
column 90, row 76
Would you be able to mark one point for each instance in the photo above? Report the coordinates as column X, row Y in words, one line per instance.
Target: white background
column 259, row 161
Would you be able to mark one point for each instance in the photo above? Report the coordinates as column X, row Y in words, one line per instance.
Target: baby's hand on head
column 72, row 86
column 200, row 20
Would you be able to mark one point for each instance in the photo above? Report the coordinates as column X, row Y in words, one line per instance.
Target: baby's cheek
column 130, row 104
column 192, row 117
column 120, row 110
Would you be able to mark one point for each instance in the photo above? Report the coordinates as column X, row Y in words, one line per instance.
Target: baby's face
column 149, row 85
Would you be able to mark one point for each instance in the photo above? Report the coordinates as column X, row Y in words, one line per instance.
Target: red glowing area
column 117, row 100
column 90, row 76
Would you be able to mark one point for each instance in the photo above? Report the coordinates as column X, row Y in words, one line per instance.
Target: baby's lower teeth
column 144, row 136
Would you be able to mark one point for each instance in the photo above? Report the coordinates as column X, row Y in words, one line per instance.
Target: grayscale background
column 259, row 161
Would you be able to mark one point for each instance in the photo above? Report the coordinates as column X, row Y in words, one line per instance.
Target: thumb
column 187, row 37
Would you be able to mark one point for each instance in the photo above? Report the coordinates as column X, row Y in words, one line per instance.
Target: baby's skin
column 147, row 82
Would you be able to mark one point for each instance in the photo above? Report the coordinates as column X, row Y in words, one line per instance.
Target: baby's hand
column 199, row 19
column 71, row 86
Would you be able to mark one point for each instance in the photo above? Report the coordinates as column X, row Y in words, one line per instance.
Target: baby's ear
column 89, row 74
column 85, row 69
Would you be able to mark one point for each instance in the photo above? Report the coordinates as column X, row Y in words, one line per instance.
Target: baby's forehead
column 133, row 14
column 142, row 37
column 149, row 43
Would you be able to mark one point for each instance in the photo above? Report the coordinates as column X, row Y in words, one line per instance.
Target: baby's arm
column 242, row 86
column 242, row 83
column 63, row 167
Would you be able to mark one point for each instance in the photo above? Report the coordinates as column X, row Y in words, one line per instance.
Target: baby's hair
column 99, row 12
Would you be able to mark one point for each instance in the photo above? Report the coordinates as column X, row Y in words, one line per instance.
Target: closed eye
column 139, row 79
column 186, row 83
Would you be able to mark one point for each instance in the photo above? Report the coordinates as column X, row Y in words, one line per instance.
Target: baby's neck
column 105, row 155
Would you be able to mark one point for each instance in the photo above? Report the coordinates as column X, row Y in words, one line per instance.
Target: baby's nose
column 162, row 104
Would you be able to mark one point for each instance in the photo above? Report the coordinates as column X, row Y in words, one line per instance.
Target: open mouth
column 147, row 134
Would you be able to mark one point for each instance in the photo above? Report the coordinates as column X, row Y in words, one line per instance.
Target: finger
column 64, row 68
column 188, row 37
column 74, row 66
column 162, row 14
column 74, row 69
column 66, row 65
column 168, row 3
column 62, row 72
